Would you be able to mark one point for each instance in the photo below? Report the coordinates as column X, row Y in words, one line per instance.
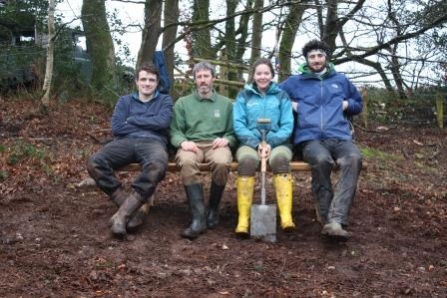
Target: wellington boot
column 194, row 193
column 118, row 197
column 138, row 218
column 245, row 186
column 335, row 231
column 212, row 216
column 119, row 220
column 284, row 198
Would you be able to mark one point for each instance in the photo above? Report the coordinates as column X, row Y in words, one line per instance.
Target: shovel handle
column 263, row 166
column 263, row 127
column 263, row 158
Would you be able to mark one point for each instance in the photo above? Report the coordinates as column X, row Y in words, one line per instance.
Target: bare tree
column 99, row 44
column 171, row 15
column 256, row 41
column 369, row 33
column 200, row 33
column 289, row 30
column 50, row 57
column 151, row 30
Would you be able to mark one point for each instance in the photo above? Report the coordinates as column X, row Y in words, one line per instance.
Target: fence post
column 440, row 110
column 364, row 93
column 223, row 73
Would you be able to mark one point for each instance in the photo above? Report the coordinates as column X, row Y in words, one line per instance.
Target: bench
column 295, row 166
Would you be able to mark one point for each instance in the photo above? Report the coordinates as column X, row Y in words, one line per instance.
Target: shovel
column 263, row 216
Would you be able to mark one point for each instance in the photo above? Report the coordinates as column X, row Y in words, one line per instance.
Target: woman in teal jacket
column 263, row 99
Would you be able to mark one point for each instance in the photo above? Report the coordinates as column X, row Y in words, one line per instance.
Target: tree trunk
column 231, row 49
column 99, row 45
column 171, row 14
column 292, row 24
column 256, row 41
column 50, row 57
column 151, row 30
column 202, row 39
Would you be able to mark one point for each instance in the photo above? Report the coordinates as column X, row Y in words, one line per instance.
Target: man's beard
column 319, row 69
column 204, row 89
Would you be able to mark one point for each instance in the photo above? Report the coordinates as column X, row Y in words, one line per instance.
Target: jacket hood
column 305, row 70
column 272, row 89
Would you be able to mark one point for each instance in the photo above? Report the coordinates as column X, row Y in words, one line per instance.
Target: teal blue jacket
column 252, row 105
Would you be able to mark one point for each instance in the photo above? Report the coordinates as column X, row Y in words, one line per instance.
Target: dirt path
column 54, row 239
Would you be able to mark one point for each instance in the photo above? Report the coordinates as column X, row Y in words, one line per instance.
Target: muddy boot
column 119, row 220
column 118, row 197
column 322, row 203
column 194, row 193
column 138, row 218
column 212, row 217
column 335, row 231
column 245, row 186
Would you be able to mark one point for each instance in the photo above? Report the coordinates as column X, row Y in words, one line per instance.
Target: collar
column 136, row 96
column 211, row 98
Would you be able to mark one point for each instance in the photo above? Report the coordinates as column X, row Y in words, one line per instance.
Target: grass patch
column 369, row 152
column 22, row 150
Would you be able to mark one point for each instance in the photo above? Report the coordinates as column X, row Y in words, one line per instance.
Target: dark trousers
column 150, row 154
column 322, row 156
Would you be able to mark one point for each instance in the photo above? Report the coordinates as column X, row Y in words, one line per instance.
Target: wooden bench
column 296, row 166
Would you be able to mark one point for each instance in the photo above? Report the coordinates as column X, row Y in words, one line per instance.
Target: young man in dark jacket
column 140, row 125
column 323, row 99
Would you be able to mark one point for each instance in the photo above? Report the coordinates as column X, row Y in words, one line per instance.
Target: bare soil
column 54, row 239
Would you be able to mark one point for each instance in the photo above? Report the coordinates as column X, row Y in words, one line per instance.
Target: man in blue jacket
column 140, row 125
column 324, row 99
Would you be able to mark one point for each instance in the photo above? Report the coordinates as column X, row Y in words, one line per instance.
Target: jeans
column 151, row 155
column 322, row 155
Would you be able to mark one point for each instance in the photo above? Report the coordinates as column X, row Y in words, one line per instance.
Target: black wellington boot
column 212, row 216
column 194, row 193
column 127, row 209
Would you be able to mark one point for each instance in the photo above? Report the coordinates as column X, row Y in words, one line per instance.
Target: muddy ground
column 54, row 239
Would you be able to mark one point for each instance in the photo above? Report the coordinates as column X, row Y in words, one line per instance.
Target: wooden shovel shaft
column 263, row 169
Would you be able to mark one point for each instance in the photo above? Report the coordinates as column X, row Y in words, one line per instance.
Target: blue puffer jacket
column 251, row 105
column 133, row 118
column 320, row 104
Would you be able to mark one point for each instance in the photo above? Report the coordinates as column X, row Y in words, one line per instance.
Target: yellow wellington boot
column 245, row 187
column 284, row 189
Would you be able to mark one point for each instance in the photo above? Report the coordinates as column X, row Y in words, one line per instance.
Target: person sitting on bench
column 202, row 130
column 263, row 99
column 140, row 125
column 324, row 99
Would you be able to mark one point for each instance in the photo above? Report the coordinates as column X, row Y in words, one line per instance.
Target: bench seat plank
column 172, row 167
column 296, row 166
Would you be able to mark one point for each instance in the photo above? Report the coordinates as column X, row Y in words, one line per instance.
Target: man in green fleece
column 202, row 130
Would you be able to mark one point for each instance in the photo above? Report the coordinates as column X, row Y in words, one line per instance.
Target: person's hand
column 345, row 105
column 295, row 106
column 219, row 142
column 264, row 151
column 189, row 146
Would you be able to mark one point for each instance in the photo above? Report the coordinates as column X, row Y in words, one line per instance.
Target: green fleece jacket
column 197, row 119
